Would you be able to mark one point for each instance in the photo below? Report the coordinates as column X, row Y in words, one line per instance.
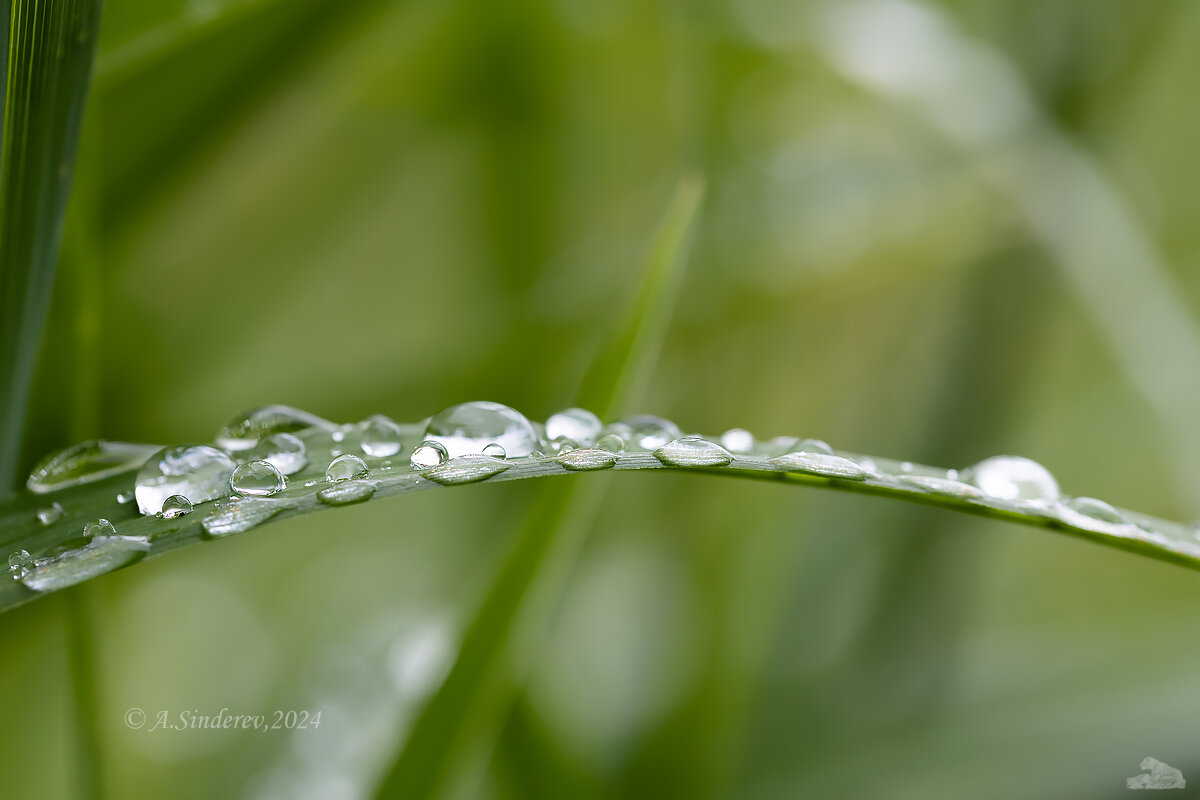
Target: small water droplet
column 345, row 468
column 537, row 454
column 495, row 450
column 466, row 469
column 587, row 458
column 346, row 492
column 19, row 564
column 99, row 527
column 738, row 440
column 381, row 437
column 256, row 479
column 339, row 436
column 822, row 464
column 812, row 446
column 239, row 514
column 467, row 428
column 197, row 472
column 124, row 497
column 428, row 454
column 86, row 462
column 948, row 487
column 285, row 451
column 693, row 451
column 100, row 555
column 1014, row 478
column 244, row 430
column 1096, row 515
column 577, row 424
column 175, row 506
column 563, row 445
column 611, row 442
column 645, row 432
column 48, row 516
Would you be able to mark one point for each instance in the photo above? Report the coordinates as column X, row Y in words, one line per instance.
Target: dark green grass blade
column 471, row 703
column 49, row 58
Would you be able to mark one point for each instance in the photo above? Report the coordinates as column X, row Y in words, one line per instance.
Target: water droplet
column 381, row 437
column 812, row 446
column 239, row 514
column 537, row 454
column 692, row 451
column 197, row 472
column 1092, row 514
column 125, row 497
column 495, row 450
column 339, row 436
column 176, row 506
column 428, row 454
column 101, row 555
column 19, row 564
column 822, row 464
column 467, row 428
column 611, row 442
column 285, row 451
column 948, row 487
column 99, row 527
column 563, row 445
column 347, row 492
column 587, row 458
column 86, row 462
column 244, row 430
column 576, row 424
column 1014, row 478
column 645, row 431
column 257, row 479
column 466, row 469
column 738, row 440
column 346, row 467
column 48, row 516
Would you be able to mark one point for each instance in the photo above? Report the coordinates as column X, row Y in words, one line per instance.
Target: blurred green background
column 933, row 231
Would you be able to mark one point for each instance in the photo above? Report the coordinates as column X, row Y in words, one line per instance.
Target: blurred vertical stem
column 479, row 691
column 49, row 49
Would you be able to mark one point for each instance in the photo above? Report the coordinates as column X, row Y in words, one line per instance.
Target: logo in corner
column 1157, row 776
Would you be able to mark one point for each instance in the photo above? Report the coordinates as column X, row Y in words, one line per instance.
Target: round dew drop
column 197, row 472
column 48, row 516
column 19, row 563
column 738, row 440
column 175, row 506
column 244, row 430
column 692, row 451
column 1015, row 478
column 99, row 528
column 284, row 451
column 645, row 431
column 346, row 467
column 495, row 450
column 611, row 442
column 576, row 424
column 256, row 479
column 381, row 437
column 467, row 428
column 427, row 455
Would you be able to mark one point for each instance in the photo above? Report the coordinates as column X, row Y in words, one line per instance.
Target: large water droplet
column 381, row 437
column 244, row 430
column 822, row 464
column 256, row 479
column 466, row 469
column 239, row 514
column 347, row 492
column 738, row 440
column 692, row 451
column 1014, row 478
column 99, row 527
column 428, row 454
column 467, row 428
column 283, row 450
column 50, row 515
column 587, row 458
column 197, row 472
column 611, row 442
column 86, row 462
column 176, row 506
column 346, row 467
column 102, row 554
column 645, row 432
column 19, row 564
column 577, row 424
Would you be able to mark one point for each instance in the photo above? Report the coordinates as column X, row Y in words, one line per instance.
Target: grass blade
column 477, row 693
column 49, row 59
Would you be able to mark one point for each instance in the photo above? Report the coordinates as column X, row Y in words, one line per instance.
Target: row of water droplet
column 256, row 463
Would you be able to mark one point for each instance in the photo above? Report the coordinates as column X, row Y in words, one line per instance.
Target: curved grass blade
column 48, row 67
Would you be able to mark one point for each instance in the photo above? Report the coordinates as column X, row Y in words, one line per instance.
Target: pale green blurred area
column 388, row 207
